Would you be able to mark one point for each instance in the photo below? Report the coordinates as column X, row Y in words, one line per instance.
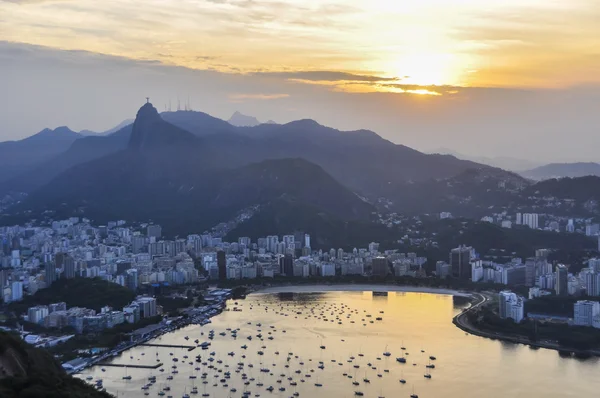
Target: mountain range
column 240, row 120
column 562, row 170
column 20, row 156
column 503, row 162
column 189, row 171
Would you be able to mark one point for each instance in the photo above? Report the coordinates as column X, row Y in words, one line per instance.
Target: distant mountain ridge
column 181, row 181
column 22, row 155
column 562, row 170
column 240, row 120
column 189, row 170
column 114, row 129
column 151, row 131
column 503, row 162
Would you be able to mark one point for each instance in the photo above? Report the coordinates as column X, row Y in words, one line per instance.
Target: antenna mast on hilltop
column 147, row 100
column 178, row 104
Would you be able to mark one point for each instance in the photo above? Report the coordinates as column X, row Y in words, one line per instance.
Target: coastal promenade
column 462, row 322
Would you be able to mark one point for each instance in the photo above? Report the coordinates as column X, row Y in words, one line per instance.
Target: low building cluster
column 85, row 320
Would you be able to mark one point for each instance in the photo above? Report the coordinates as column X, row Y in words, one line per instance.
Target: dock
column 188, row 347
column 118, row 365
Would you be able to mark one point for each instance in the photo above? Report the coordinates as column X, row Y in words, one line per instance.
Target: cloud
column 258, row 96
column 324, row 75
column 48, row 88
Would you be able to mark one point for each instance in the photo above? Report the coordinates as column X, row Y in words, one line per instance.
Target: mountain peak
column 62, row 133
column 147, row 111
column 150, row 130
column 238, row 119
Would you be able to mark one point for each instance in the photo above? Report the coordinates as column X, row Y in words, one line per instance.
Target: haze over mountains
column 190, row 171
column 20, row 156
column 561, row 170
column 198, row 179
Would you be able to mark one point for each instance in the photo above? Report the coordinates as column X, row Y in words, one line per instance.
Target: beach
column 358, row 288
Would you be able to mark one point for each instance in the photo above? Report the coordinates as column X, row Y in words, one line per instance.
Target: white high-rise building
column 570, row 226
column 289, row 240
column 272, row 243
column 476, row 270
column 373, row 247
column 511, row 306
column 585, row 312
column 531, row 220
column 592, row 283
column 594, row 264
column 306, row 240
column 592, row 229
column 16, row 291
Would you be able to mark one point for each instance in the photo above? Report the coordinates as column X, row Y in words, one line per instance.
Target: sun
column 427, row 69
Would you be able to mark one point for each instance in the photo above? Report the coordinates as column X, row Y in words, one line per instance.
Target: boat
column 386, row 353
column 413, row 395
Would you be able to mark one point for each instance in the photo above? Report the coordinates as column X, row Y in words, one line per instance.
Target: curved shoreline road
column 461, row 321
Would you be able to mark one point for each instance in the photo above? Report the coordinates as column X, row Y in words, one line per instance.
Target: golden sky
column 481, row 43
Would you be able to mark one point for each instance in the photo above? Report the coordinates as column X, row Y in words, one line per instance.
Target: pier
column 188, row 347
column 118, row 365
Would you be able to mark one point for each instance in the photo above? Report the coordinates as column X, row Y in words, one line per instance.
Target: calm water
column 466, row 366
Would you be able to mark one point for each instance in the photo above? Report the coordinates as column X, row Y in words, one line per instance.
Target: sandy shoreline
column 358, row 288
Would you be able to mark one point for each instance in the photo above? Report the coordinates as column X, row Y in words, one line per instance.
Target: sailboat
column 401, row 359
column 413, row 395
column 185, row 394
column 427, row 375
column 386, row 353
column 126, row 377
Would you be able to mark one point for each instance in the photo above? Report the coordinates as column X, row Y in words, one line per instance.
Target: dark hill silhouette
column 33, row 372
column 580, row 189
column 361, row 160
column 19, row 156
column 198, row 123
column 560, row 170
column 170, row 175
column 150, row 131
column 81, row 151
column 196, row 171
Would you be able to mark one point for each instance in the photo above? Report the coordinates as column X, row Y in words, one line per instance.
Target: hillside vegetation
column 28, row 372
column 93, row 293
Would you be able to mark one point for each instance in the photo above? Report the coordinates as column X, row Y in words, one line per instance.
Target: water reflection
column 302, row 324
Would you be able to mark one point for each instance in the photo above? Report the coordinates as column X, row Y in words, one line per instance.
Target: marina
column 326, row 344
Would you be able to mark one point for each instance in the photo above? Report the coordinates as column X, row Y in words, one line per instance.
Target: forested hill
column 29, row 372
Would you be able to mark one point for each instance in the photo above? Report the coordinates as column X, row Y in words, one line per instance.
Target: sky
column 513, row 78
